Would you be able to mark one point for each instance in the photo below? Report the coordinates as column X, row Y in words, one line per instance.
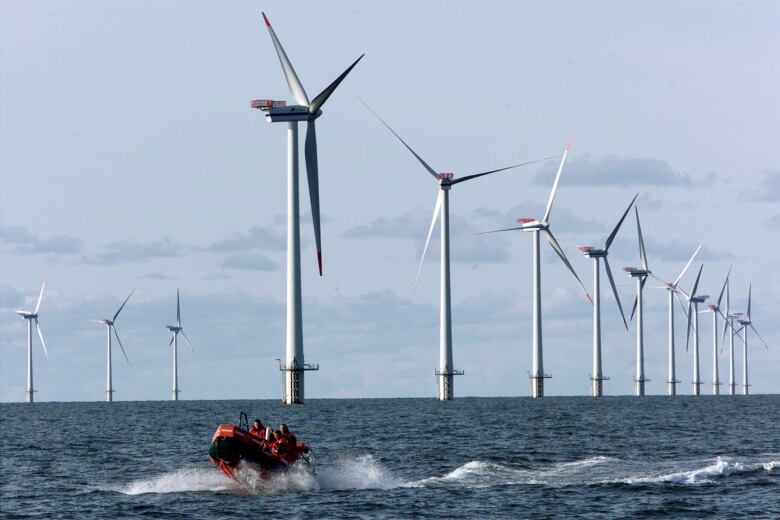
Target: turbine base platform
column 444, row 383
column 537, row 385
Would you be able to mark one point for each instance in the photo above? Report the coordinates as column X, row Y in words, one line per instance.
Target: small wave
column 721, row 467
column 181, row 480
column 476, row 473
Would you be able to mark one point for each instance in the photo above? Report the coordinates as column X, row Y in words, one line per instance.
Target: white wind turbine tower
column 176, row 329
column 109, row 323
column 745, row 325
column 729, row 325
column 536, row 227
column 693, row 316
column 597, row 377
column 32, row 317
column 446, row 180
column 640, row 274
column 674, row 292
column 714, row 308
column 305, row 110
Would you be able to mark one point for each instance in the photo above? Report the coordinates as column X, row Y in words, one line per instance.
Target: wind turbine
column 596, row 254
column 534, row 226
column 176, row 329
column 693, row 316
column 109, row 323
column 640, row 274
column 674, row 292
column 32, row 317
column 745, row 325
column 309, row 111
column 441, row 209
column 714, row 308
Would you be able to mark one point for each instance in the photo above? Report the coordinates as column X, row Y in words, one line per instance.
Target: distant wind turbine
column 693, row 317
column 32, row 317
column 674, row 293
column 728, row 325
column 176, row 329
column 748, row 324
column 441, row 209
column 597, row 376
column 536, row 227
column 109, row 323
column 714, row 308
column 308, row 111
column 640, row 274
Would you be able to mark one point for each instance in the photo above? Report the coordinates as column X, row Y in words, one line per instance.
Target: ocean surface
column 557, row 457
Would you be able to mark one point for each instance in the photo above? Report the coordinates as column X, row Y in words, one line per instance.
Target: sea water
column 610, row 457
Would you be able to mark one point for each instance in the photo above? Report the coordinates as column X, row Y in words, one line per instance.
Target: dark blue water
column 614, row 457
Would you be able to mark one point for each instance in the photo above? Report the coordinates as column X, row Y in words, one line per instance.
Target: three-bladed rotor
column 110, row 323
column 176, row 329
column 445, row 180
column 307, row 111
column 33, row 315
column 543, row 225
column 593, row 252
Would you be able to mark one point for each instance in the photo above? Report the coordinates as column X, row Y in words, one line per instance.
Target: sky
column 131, row 159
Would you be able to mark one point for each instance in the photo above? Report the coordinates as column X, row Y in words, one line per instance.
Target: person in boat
column 257, row 429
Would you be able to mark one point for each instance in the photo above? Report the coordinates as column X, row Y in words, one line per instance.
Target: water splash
column 181, row 480
column 362, row 472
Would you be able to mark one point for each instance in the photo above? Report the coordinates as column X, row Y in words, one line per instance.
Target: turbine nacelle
column 26, row 314
column 636, row 272
column 173, row 328
column 700, row 299
column 592, row 252
column 532, row 224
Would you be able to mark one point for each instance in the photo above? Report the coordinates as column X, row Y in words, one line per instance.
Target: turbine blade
column 171, row 343
column 620, row 222
column 636, row 298
column 554, row 243
column 498, row 230
column 614, row 290
column 40, row 297
column 296, row 89
column 642, row 253
column 40, row 335
column 696, row 283
column 123, row 305
column 759, row 336
column 120, row 344
column 682, row 305
column 723, row 289
column 425, row 164
column 750, row 293
column 312, row 175
column 436, row 211
column 726, row 325
column 475, row 175
column 555, row 183
column 178, row 310
column 679, row 277
column 188, row 341
column 323, row 96
column 688, row 328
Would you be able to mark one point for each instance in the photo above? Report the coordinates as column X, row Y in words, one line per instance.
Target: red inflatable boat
column 232, row 445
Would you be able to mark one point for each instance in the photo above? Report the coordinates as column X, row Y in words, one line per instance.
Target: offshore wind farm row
column 294, row 365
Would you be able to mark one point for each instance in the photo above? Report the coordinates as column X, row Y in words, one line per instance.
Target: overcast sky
column 130, row 158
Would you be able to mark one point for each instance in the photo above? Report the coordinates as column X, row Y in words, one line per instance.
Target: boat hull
column 232, row 446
